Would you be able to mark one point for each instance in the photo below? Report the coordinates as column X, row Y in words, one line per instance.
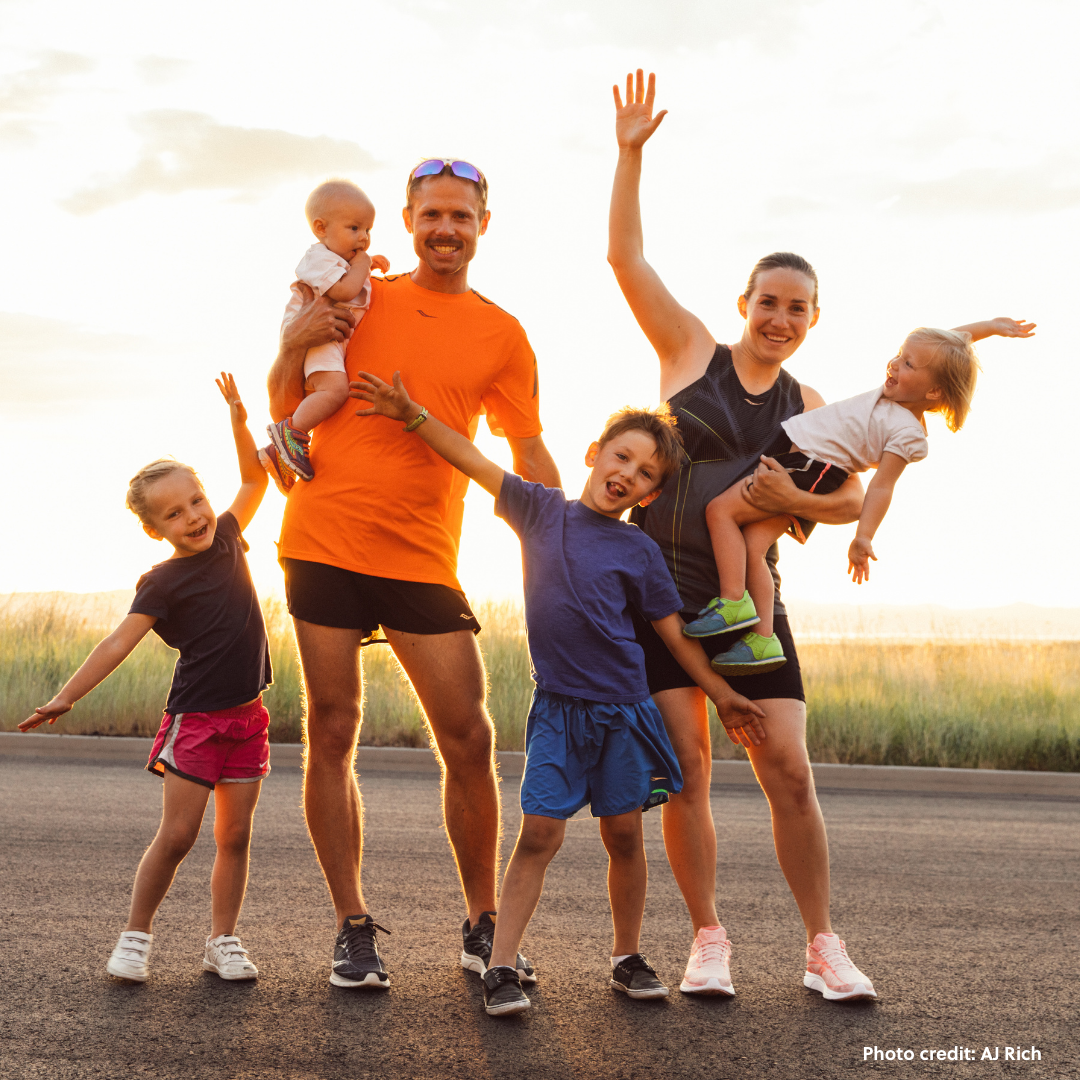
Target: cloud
column 190, row 151
column 25, row 94
column 45, row 361
column 157, row 70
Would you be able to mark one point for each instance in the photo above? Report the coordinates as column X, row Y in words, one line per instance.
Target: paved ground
column 963, row 909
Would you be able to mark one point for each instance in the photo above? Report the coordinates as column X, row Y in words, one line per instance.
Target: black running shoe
column 502, row 992
column 476, row 948
column 357, row 964
column 636, row 977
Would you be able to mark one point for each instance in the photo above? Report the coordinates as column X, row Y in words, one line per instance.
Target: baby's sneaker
column 284, row 478
column 752, row 654
column 829, row 970
column 292, row 447
column 131, row 957
column 225, row 955
column 708, row 971
column 719, row 616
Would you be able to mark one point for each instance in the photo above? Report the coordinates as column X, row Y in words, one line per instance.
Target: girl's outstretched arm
column 1000, row 327
column 102, row 662
column 879, row 494
column 394, row 402
column 253, row 478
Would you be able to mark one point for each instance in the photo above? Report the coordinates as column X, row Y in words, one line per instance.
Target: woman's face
column 778, row 314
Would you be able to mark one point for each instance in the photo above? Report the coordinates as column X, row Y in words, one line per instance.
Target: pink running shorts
column 228, row 746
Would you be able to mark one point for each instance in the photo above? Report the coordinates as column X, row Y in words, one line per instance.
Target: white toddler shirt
column 854, row 433
column 321, row 268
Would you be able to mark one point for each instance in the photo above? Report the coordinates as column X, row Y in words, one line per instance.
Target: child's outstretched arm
column 875, row 506
column 394, row 402
column 739, row 715
column 1000, row 327
column 253, row 479
column 102, row 662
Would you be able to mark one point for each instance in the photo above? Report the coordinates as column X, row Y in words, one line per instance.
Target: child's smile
column 625, row 472
column 180, row 513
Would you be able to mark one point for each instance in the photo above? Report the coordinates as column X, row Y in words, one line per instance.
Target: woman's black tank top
column 724, row 430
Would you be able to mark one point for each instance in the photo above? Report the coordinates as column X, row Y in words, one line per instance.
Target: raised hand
column 859, row 555
column 634, row 121
column 1005, row 327
column 380, row 263
column 386, row 400
column 43, row 713
column 227, row 385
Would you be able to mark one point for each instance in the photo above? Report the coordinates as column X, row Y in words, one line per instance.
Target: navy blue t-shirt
column 206, row 607
column 583, row 571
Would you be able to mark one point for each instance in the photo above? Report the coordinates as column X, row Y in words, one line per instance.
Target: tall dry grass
column 999, row 705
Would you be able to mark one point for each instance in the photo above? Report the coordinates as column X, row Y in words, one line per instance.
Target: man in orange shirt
column 372, row 542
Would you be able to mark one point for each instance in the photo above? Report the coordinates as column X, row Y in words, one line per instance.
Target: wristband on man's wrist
column 413, row 424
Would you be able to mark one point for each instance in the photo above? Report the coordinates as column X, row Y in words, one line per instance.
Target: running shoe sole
column 472, row 962
column 370, row 981
column 283, row 452
column 116, row 973
column 658, row 992
column 725, row 630
column 709, row 988
column 816, row 982
column 756, row 667
column 508, row 1008
column 207, row 966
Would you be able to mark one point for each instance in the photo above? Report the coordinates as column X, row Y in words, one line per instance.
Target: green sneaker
column 752, row 654
column 720, row 616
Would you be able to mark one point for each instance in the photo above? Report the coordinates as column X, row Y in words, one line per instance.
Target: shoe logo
column 426, row 315
column 464, row 616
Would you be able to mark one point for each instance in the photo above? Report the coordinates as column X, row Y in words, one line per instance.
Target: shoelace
column 503, row 975
column 714, row 952
column 360, row 941
column 837, row 958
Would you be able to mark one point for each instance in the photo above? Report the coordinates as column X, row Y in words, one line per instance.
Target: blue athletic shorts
column 618, row 758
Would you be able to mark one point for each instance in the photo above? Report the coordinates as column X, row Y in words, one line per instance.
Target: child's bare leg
column 759, row 538
column 182, row 811
column 234, row 805
column 726, row 516
column 539, row 840
column 326, row 392
column 628, row 878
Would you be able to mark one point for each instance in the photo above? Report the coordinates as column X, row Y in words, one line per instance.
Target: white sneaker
column 226, row 956
column 707, row 971
column 131, row 957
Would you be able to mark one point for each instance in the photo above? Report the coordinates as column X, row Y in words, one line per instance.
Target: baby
column 338, row 266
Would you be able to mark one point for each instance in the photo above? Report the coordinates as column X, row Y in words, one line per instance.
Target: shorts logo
column 464, row 616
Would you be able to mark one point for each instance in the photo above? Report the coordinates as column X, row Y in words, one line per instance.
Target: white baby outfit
column 854, row 433
column 321, row 269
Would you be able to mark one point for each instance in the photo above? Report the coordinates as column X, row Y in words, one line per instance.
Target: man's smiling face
column 445, row 221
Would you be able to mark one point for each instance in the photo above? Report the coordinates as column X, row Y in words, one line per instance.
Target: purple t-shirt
column 583, row 572
column 206, row 608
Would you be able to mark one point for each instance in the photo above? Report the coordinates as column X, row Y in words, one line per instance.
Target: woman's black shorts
column 664, row 672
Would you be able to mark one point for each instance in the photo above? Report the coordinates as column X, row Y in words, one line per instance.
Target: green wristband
column 412, row 425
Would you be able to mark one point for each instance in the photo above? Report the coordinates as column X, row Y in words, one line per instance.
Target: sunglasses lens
column 431, row 167
column 465, row 171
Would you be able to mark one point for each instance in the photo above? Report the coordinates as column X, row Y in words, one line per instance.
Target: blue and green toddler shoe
column 752, row 654
column 719, row 616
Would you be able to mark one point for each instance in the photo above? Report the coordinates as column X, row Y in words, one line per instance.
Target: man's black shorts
column 329, row 596
column 664, row 672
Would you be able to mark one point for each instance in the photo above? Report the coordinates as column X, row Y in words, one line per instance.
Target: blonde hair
column 660, row 424
column 330, row 192
column 138, row 492
column 955, row 367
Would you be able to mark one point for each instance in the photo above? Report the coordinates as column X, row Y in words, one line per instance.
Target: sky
column 924, row 156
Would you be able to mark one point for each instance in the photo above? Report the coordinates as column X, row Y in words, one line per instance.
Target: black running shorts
column 329, row 596
column 664, row 672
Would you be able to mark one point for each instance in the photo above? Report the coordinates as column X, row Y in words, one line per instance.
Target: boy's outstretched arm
column 253, row 478
column 1000, row 327
column 107, row 656
column 739, row 715
column 394, row 402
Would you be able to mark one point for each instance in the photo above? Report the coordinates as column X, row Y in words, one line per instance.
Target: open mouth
column 615, row 491
column 445, row 249
column 198, row 534
column 776, row 339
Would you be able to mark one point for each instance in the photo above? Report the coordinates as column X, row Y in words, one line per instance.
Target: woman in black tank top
column 729, row 403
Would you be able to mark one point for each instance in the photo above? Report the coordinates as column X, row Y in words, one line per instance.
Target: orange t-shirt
column 382, row 502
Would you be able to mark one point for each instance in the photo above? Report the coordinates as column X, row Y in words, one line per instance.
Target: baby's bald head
column 332, row 197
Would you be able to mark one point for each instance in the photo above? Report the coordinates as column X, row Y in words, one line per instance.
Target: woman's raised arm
column 681, row 339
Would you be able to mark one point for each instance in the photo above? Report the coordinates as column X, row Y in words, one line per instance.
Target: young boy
column 338, row 266
column 593, row 735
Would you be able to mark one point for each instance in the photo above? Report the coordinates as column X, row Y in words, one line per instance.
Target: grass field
column 995, row 704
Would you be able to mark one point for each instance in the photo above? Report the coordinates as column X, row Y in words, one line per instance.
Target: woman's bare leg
column 689, row 831
column 234, row 806
column 759, row 537
column 782, row 766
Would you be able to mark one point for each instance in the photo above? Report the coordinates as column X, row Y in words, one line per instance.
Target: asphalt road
column 964, row 911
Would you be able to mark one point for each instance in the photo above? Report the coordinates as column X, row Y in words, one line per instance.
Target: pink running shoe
column 829, row 970
column 707, row 971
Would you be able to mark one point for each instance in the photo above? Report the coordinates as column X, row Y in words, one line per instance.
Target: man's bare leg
column 447, row 672
column 330, row 658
